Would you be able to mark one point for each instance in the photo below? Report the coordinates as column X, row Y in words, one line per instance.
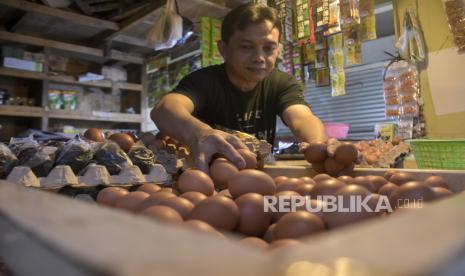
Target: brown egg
column 388, row 189
column 440, row 192
column 400, row 178
column 225, row 193
column 378, row 199
column 163, row 213
column 347, row 170
column 322, row 176
column 218, row 211
column 95, row 134
column 364, row 182
column 412, row 192
column 251, row 181
column 284, row 243
column 388, row 174
column 155, row 199
column 304, row 189
column 170, row 190
column 196, row 181
column 124, row 140
column 343, row 217
column 345, row 178
column 279, row 179
column 202, row 226
column 194, row 197
column 149, row 188
column 377, row 181
column 297, row 225
column 319, row 167
column 289, row 184
column 253, row 221
column 346, row 153
column 283, row 197
column 317, row 207
column 327, row 187
column 268, row 236
column 307, row 180
column 249, row 157
column 221, row 170
column 255, row 242
column 316, row 153
column 179, row 204
column 332, row 167
column 436, row 181
column 110, row 195
column 131, row 201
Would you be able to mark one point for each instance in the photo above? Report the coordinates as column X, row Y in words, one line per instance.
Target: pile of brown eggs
column 232, row 201
column 332, row 157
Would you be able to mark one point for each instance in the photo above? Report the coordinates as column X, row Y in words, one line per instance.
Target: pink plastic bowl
column 336, row 130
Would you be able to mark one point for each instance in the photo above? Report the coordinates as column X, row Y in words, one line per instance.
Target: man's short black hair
column 245, row 15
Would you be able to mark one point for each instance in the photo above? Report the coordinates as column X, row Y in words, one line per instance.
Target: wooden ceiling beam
column 131, row 40
column 135, row 19
column 66, row 15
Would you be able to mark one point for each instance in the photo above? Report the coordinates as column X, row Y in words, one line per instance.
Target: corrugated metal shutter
column 362, row 106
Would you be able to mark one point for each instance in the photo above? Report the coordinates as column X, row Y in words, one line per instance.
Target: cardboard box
column 23, row 64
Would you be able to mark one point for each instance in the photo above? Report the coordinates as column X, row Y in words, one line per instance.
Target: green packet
column 55, row 99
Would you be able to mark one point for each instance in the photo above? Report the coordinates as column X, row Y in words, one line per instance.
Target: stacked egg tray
column 61, row 179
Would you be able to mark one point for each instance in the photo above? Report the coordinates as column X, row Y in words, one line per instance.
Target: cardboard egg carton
column 95, row 175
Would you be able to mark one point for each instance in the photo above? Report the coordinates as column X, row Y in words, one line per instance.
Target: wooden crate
column 43, row 233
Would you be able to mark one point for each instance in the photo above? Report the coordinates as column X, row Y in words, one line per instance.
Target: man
column 245, row 93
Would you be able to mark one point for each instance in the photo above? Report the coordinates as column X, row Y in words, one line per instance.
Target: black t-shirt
column 218, row 103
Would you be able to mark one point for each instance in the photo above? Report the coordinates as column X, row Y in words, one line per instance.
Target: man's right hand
column 208, row 142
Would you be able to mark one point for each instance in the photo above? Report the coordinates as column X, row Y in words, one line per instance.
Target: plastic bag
column 410, row 44
column 455, row 11
column 75, row 153
column 31, row 154
column 7, row 161
column 110, row 155
column 142, row 157
column 401, row 90
column 166, row 32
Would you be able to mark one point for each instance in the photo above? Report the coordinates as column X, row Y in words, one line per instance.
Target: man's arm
column 304, row 124
column 173, row 117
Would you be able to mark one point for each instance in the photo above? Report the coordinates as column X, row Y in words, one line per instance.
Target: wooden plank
column 144, row 105
column 12, row 72
column 70, row 80
column 133, row 41
column 31, row 40
column 65, row 15
column 22, row 111
column 115, row 242
column 95, row 116
column 44, row 124
column 133, row 20
column 129, row 86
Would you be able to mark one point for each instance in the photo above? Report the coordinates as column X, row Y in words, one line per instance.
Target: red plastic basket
column 336, row 130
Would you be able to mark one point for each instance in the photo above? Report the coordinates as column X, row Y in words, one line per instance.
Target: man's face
column 250, row 54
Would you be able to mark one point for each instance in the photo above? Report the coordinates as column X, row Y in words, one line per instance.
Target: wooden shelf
column 129, row 86
column 78, row 49
column 72, row 81
column 11, row 72
column 21, row 111
column 39, row 112
column 95, row 116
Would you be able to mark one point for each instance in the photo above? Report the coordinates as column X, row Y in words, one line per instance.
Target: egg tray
column 95, row 175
